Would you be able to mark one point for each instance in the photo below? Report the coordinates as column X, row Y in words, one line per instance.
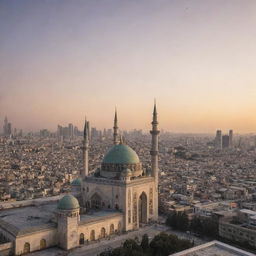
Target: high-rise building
column 9, row 129
column 71, row 131
column 5, row 126
column 225, row 141
column 218, row 140
column 230, row 138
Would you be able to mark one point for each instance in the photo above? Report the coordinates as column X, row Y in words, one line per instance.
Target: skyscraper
column 230, row 138
column 71, row 131
column 218, row 140
column 225, row 141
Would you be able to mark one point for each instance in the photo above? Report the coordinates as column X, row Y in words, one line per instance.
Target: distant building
column 70, row 131
column 218, row 140
column 230, row 138
column 7, row 127
column 225, row 141
column 44, row 133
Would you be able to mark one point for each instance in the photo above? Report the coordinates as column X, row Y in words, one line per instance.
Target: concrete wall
column 237, row 233
column 98, row 225
column 34, row 240
column 6, row 249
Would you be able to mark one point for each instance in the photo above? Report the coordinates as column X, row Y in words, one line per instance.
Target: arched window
column 111, row 229
column 117, row 207
column 81, row 238
column 42, row 244
column 26, row 248
column 103, row 233
column 92, row 235
column 143, row 206
column 96, row 201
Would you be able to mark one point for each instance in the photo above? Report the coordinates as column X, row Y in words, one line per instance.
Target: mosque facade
column 119, row 196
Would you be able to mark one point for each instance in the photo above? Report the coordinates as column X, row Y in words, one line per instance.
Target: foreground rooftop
column 214, row 248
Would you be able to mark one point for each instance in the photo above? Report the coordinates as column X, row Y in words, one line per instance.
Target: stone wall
column 111, row 225
column 34, row 240
column 6, row 249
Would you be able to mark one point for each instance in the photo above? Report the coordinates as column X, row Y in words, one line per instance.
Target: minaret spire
column 115, row 128
column 85, row 171
column 154, row 156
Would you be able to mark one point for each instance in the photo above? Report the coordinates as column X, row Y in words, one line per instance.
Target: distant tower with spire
column 85, row 171
column 154, row 154
column 115, row 128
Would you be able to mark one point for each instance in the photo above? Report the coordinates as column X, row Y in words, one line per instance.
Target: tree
column 161, row 245
column 145, row 242
column 182, row 221
column 164, row 244
column 178, row 221
column 172, row 220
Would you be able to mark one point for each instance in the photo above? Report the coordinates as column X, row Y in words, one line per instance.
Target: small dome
column 121, row 154
column 68, row 202
column 126, row 172
column 77, row 182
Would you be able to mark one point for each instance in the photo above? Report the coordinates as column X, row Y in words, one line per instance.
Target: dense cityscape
column 203, row 176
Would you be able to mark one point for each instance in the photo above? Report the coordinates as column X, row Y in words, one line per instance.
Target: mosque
column 119, row 196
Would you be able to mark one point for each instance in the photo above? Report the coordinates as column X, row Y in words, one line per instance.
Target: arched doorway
column 81, row 238
column 143, row 210
column 111, row 229
column 26, row 248
column 103, row 233
column 96, row 201
column 92, row 235
column 42, row 244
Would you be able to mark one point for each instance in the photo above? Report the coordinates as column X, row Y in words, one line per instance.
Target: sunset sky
column 62, row 59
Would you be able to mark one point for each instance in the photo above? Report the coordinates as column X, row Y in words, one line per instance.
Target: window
column 111, row 229
column 81, row 238
column 26, row 248
column 103, row 233
column 92, row 235
column 42, row 244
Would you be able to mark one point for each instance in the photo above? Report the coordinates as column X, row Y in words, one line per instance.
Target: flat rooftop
column 98, row 215
column 214, row 248
column 28, row 219
column 24, row 220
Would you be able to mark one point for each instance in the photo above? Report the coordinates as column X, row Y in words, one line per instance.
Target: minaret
column 154, row 158
column 85, row 171
column 115, row 128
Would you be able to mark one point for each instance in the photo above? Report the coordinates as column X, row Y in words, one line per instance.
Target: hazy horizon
column 61, row 60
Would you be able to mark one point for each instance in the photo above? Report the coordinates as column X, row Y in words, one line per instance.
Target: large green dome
column 121, row 154
column 68, row 202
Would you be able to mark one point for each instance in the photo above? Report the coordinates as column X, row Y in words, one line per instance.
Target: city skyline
column 61, row 60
